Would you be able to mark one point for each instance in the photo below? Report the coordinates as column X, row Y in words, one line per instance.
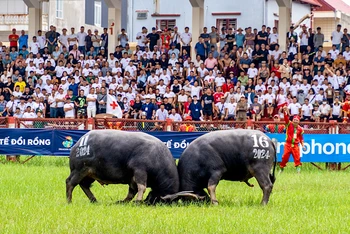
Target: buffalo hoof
column 215, row 202
column 138, row 202
column 93, row 200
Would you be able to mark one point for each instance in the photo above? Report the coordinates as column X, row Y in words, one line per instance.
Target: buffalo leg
column 72, row 181
column 85, row 186
column 140, row 178
column 132, row 192
column 212, row 183
column 265, row 184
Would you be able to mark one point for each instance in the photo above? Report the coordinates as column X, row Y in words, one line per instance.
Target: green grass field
column 32, row 200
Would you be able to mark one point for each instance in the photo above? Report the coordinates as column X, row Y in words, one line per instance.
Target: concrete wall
column 298, row 11
column 250, row 16
column 13, row 7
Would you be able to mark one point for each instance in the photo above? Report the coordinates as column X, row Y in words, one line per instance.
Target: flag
column 113, row 107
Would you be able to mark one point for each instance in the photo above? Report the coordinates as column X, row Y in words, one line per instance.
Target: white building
column 238, row 13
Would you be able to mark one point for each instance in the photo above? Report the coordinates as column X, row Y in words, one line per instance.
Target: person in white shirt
column 141, row 38
column 29, row 113
column 63, row 39
column 306, row 110
column 336, row 79
column 81, row 40
column 186, row 39
column 161, row 115
column 38, row 60
column 231, row 109
column 59, row 69
column 60, row 100
column 91, row 103
column 175, row 116
column 131, row 69
column 34, row 46
column 161, row 87
column 219, row 80
column 195, row 90
column 273, row 38
column 152, row 80
column 294, row 107
column 294, row 88
column 72, row 39
column 334, row 52
column 346, row 54
column 252, row 71
column 68, row 107
column 221, row 109
column 42, row 41
column 337, row 36
column 325, row 110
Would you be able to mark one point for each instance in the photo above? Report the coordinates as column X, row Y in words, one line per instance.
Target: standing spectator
column 60, row 102
column 294, row 107
column 256, row 109
column 186, row 39
column 88, row 41
column 304, row 36
column 230, row 39
column 241, row 109
column 240, row 38
column 221, row 109
column 208, row 105
column 263, row 36
column 206, row 38
column 53, row 104
column 13, row 38
column 176, row 38
column 81, row 39
column 34, row 46
column 222, row 38
column 152, row 38
column 42, row 41
column 201, row 48
column 63, row 39
column 23, row 40
column 72, row 39
column 102, row 101
column 141, row 38
column 123, row 38
column 96, row 41
column 104, row 39
column 80, row 104
column 273, row 41
column 149, row 108
column 336, row 37
column 318, row 39
column 51, row 39
column 345, row 40
column 69, row 111
column 195, row 109
column 326, row 110
column 91, row 103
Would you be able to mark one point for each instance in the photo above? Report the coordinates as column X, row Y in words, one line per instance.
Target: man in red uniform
column 276, row 127
column 188, row 127
column 346, row 107
column 294, row 136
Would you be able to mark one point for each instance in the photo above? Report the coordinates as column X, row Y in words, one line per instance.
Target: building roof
column 312, row 2
column 334, row 5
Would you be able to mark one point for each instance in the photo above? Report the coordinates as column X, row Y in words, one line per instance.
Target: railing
column 153, row 125
column 11, row 19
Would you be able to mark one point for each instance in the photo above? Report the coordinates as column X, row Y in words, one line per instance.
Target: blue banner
column 319, row 147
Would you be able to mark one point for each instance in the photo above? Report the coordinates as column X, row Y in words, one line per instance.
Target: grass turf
column 32, row 200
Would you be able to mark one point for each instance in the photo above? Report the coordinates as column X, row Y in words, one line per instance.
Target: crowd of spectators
column 234, row 74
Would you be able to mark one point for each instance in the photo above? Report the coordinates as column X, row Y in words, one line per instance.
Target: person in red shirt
column 294, row 137
column 346, row 107
column 186, row 106
column 227, row 86
column 275, row 127
column 188, row 127
column 218, row 94
column 13, row 38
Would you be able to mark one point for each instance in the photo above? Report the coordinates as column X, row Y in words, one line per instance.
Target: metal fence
column 153, row 125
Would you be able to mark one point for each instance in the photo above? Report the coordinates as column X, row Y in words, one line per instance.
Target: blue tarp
column 319, row 147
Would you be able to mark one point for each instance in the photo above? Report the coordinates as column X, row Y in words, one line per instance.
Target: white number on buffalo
column 261, row 153
column 262, row 141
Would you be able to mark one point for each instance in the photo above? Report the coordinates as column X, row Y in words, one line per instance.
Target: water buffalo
column 116, row 157
column 235, row 155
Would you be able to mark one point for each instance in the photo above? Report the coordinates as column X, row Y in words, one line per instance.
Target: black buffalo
column 235, row 155
column 116, row 157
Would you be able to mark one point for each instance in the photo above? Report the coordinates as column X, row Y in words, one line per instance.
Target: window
column 162, row 24
column 226, row 23
column 59, row 9
column 97, row 19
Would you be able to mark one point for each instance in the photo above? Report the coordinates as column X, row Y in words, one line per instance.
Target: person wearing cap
column 276, row 127
column 96, row 41
column 187, row 126
column 240, row 38
column 149, row 108
column 336, row 37
column 195, row 109
column 294, row 137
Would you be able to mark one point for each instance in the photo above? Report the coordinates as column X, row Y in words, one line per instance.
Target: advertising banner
column 319, row 147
